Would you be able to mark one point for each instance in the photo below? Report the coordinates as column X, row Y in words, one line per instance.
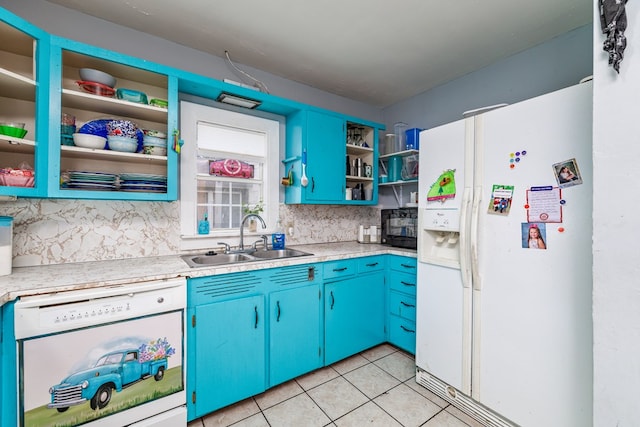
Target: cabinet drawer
column 204, row 290
column 406, row 264
column 402, row 282
column 402, row 333
column 371, row 263
column 402, row 305
column 337, row 269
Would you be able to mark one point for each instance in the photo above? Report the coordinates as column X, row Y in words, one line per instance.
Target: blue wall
column 555, row 64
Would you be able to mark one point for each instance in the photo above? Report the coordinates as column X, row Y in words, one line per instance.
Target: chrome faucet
column 244, row 219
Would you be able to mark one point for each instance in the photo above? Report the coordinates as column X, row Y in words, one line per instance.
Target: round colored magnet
column 562, row 201
column 526, row 206
column 512, row 166
column 561, row 229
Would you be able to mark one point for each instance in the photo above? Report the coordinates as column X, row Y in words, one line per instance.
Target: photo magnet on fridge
column 500, row 202
column 567, row 173
column 534, row 235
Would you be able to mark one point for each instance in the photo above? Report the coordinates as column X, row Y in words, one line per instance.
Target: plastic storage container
column 413, row 139
column 399, row 129
column 395, row 168
column 6, row 244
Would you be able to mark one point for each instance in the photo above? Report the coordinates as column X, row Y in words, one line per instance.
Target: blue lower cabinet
column 354, row 315
column 8, row 368
column 227, row 356
column 402, row 333
column 294, row 333
column 401, row 299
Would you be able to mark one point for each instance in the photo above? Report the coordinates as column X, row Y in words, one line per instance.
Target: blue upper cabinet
column 144, row 94
column 24, row 68
column 340, row 156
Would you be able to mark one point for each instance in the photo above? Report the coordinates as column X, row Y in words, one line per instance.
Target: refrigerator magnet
column 501, row 196
column 567, row 173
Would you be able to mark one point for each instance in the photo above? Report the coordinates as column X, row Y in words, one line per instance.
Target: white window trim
column 274, row 127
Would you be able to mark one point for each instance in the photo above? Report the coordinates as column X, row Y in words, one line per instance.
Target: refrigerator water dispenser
column 439, row 237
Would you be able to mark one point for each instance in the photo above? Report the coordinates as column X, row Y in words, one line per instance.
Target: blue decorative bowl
column 99, row 127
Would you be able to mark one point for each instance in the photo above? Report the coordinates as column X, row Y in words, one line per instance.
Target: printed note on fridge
column 544, row 204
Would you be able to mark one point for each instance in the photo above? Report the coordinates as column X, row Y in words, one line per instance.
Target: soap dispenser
column 277, row 238
column 203, row 225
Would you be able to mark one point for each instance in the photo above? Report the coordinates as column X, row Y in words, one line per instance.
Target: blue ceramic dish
column 99, row 127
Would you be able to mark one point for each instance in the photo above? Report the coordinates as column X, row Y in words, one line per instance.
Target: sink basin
column 218, row 259
column 195, row 261
column 278, row 253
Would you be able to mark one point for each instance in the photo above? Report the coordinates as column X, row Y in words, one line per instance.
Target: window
column 229, row 165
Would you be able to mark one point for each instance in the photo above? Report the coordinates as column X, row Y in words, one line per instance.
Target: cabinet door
column 354, row 316
column 326, row 158
column 227, row 346
column 294, row 326
column 121, row 175
column 24, row 69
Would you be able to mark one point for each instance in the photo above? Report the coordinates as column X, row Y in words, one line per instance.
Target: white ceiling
column 375, row 51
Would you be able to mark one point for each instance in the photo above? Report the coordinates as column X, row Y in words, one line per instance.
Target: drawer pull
column 407, row 266
column 405, row 304
column 255, row 308
column 372, row 265
column 339, row 269
column 407, row 329
column 278, row 307
column 407, row 284
column 332, row 300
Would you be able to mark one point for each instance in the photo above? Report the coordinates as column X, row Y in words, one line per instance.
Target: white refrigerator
column 504, row 328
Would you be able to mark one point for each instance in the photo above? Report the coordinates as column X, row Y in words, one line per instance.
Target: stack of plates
column 143, row 182
column 92, row 181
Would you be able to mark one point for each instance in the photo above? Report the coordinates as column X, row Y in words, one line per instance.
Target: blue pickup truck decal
column 113, row 371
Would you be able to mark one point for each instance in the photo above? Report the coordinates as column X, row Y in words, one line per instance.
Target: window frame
column 193, row 111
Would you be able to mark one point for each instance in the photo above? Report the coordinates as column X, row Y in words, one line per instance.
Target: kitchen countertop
column 46, row 279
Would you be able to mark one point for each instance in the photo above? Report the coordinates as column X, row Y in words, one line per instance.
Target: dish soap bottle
column 203, row 225
column 277, row 238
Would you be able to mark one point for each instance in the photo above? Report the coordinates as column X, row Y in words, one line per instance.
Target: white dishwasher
column 112, row 356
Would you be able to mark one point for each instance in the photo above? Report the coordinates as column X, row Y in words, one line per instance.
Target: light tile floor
column 375, row 388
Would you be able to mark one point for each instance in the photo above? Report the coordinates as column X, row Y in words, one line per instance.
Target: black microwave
column 399, row 227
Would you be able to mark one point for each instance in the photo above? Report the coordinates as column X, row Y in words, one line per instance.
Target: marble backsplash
column 60, row 231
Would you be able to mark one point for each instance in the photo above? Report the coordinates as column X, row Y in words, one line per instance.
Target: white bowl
column 97, row 76
column 153, row 140
column 123, row 143
column 155, row 150
column 88, row 140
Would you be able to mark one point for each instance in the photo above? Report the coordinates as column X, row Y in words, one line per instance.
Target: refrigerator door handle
column 475, row 219
column 465, row 261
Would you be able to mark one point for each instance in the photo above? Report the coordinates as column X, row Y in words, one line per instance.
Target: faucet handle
column 265, row 241
column 227, row 248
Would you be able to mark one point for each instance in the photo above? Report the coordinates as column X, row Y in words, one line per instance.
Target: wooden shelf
column 16, row 145
column 17, row 86
column 114, row 106
column 72, row 152
column 356, row 149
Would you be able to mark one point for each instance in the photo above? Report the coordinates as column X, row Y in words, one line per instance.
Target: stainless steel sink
column 209, row 260
column 217, row 259
column 278, row 253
